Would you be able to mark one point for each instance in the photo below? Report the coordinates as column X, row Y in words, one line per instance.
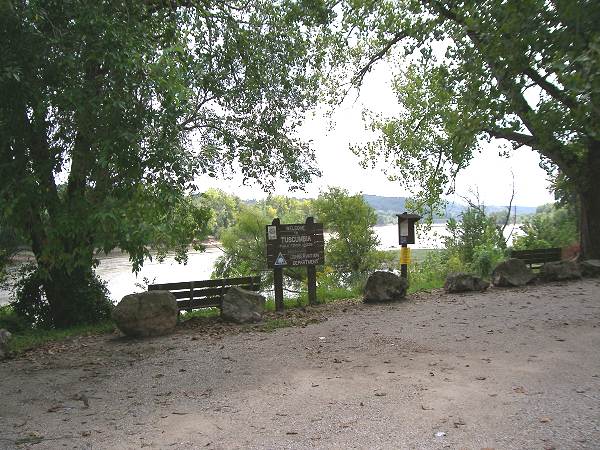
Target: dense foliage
column 243, row 245
column 223, row 209
column 126, row 103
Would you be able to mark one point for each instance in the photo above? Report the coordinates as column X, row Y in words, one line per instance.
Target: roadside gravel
column 515, row 368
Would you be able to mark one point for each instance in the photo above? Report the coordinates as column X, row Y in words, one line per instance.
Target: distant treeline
column 386, row 208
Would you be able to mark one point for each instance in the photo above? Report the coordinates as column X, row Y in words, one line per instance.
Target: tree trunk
column 65, row 301
column 589, row 195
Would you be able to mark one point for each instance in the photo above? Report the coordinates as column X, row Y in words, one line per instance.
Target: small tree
column 350, row 220
column 243, row 245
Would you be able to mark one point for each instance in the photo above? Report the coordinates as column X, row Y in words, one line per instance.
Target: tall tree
column 526, row 72
column 109, row 110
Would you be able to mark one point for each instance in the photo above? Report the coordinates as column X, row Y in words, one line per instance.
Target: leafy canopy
column 525, row 71
column 126, row 103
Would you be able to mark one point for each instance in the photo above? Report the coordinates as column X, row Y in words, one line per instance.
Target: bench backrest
column 537, row 256
column 206, row 293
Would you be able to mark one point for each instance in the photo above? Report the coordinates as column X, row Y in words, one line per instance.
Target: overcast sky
column 488, row 172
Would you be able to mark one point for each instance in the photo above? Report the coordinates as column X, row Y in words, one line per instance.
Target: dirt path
column 504, row 369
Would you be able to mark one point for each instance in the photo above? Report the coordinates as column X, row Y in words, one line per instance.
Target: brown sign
column 295, row 244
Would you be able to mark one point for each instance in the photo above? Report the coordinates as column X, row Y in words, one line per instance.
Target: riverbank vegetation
column 475, row 243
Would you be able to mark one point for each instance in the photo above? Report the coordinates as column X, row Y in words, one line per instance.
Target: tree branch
column 551, row 89
column 360, row 75
column 510, row 135
column 544, row 140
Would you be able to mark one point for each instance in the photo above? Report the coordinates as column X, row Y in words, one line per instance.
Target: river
column 115, row 269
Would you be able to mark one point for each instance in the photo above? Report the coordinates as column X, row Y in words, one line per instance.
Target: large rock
column 146, row 314
column 384, row 287
column 512, row 272
column 242, row 306
column 4, row 338
column 464, row 282
column 590, row 268
column 560, row 270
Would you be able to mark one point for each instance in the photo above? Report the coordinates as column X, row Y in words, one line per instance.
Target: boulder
column 512, row 272
column 560, row 270
column 4, row 338
column 150, row 313
column 384, row 287
column 242, row 306
column 464, row 282
column 590, row 268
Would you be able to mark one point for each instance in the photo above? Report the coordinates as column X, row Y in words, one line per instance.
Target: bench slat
column 535, row 256
column 200, row 293
column 227, row 282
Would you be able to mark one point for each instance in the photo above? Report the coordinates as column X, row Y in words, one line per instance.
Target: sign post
column 277, row 270
column 311, row 270
column 406, row 235
column 294, row 245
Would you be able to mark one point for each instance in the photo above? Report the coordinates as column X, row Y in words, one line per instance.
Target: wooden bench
column 206, row 293
column 537, row 256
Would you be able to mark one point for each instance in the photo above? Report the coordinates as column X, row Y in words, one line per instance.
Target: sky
column 489, row 174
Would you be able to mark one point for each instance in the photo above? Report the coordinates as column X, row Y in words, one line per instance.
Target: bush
column 485, row 258
column 429, row 273
column 87, row 301
column 475, row 244
column 351, row 248
column 551, row 226
column 11, row 321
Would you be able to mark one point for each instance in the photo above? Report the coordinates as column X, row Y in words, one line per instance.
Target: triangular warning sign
column 280, row 261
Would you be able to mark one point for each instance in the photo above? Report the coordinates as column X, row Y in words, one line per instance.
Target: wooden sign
column 295, row 244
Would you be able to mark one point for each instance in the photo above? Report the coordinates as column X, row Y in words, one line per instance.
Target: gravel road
column 503, row 369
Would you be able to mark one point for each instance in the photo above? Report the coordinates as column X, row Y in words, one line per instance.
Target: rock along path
column 504, row 369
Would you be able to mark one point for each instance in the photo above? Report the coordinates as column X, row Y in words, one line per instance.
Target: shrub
column 88, row 300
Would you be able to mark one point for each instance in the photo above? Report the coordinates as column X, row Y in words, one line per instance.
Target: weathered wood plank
column 227, row 282
column 538, row 256
column 209, row 292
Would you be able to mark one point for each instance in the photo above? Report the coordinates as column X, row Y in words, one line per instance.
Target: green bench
column 206, row 293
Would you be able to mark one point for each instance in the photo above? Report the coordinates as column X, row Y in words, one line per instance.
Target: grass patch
column 425, row 284
column 26, row 340
column 199, row 313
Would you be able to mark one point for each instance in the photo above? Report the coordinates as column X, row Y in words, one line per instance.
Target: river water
column 115, row 269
